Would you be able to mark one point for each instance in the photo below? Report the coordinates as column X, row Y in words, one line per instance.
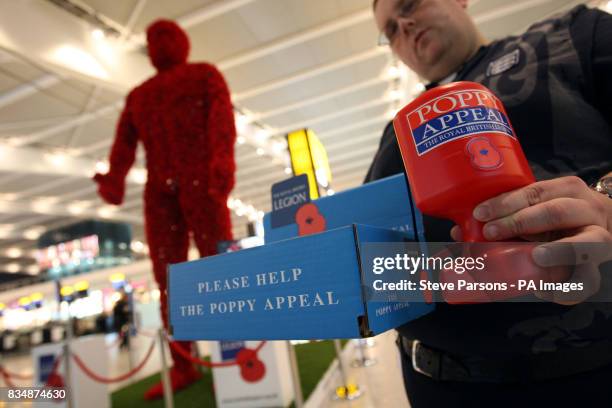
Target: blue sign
column 45, row 367
column 310, row 287
column 384, row 203
column 287, row 197
column 229, row 349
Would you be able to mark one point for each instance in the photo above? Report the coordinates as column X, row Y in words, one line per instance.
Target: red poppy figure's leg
column 208, row 219
column 168, row 240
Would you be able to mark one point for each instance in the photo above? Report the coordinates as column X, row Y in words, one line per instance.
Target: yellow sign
column 308, row 156
column 117, row 277
column 66, row 291
column 81, row 286
column 24, row 301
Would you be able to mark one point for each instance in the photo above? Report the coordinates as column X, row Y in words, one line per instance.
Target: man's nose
column 406, row 25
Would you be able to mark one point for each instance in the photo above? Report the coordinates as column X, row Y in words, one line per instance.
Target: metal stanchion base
column 369, row 342
column 347, row 393
column 363, row 362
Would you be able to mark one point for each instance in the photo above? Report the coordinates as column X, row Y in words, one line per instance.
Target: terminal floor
column 118, row 360
column 381, row 383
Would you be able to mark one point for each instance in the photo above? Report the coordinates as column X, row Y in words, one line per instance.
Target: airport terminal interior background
column 65, row 69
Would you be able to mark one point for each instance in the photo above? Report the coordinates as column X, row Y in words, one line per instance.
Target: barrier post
column 295, row 376
column 165, row 376
column 128, row 341
column 202, row 369
column 346, row 391
column 363, row 360
column 67, row 358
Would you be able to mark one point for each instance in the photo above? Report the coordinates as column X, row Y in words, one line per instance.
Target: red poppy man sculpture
column 183, row 116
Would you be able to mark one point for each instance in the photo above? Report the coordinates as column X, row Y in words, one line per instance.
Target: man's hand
column 564, row 211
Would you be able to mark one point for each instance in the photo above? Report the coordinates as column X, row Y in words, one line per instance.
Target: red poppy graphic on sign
column 309, row 220
column 252, row 369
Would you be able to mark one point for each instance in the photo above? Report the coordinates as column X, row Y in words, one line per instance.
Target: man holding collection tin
column 555, row 82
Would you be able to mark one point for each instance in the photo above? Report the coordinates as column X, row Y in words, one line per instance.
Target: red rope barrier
column 147, row 333
column 263, row 343
column 15, row 375
column 6, row 378
column 197, row 361
column 106, row 380
column 205, row 363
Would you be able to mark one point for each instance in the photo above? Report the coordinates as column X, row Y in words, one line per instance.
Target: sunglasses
column 404, row 9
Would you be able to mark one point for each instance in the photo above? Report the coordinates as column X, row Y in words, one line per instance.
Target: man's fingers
column 591, row 245
column 533, row 194
column 587, row 277
column 456, row 234
column 553, row 215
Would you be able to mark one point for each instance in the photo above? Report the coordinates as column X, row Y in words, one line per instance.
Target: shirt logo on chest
column 503, row 64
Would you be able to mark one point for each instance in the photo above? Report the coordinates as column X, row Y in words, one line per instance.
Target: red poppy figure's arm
column 111, row 186
column 221, row 132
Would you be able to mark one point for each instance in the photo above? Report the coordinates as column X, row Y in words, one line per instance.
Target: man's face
column 432, row 37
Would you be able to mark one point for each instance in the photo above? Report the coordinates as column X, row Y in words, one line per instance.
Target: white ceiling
column 290, row 63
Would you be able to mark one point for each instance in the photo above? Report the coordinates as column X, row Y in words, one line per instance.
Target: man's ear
column 463, row 4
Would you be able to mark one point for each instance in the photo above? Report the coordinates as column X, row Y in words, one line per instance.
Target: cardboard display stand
column 273, row 389
column 307, row 287
column 85, row 391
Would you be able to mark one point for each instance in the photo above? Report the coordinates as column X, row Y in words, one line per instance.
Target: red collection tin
column 459, row 149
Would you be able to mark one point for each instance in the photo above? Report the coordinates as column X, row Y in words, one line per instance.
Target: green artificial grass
column 313, row 360
column 197, row 395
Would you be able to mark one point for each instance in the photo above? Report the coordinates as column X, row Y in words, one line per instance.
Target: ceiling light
column 418, row 88
column 330, row 192
column 12, row 268
column 288, row 170
column 33, row 233
column 241, row 140
column 279, row 146
column 43, row 204
column 393, row 71
column 139, row 176
column 14, row 252
column 261, row 135
column 77, row 59
column 8, row 196
column 33, row 270
column 137, row 246
column 57, row 159
column 97, row 34
column 242, row 122
column 5, row 231
column 390, row 114
column 260, row 151
column 102, row 167
column 395, row 94
column 106, row 212
column 75, row 209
